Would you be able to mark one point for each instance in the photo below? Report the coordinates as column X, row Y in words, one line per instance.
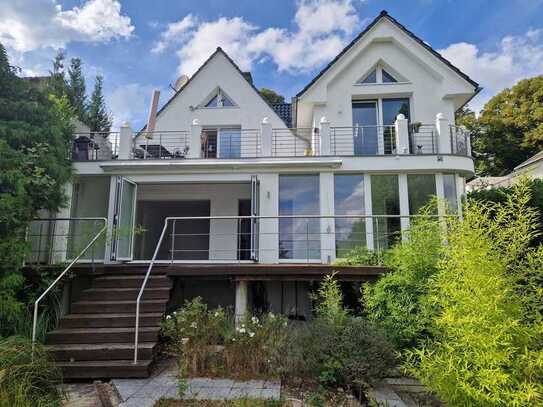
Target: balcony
column 402, row 138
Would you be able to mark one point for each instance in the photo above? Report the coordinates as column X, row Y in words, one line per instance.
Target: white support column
column 195, row 142
column 269, row 228
column 126, row 142
column 61, row 229
column 443, row 134
column 327, row 225
column 110, row 218
column 368, row 209
column 440, row 193
column 401, row 127
column 241, row 300
column 266, row 135
column 404, row 203
column 324, row 132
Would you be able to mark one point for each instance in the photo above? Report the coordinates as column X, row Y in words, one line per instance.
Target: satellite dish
column 180, row 82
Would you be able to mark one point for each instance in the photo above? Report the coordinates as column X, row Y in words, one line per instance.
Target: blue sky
column 141, row 45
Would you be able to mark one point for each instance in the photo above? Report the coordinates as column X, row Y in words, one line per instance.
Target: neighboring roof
column 284, row 110
column 384, row 14
column 486, row 182
column 246, row 75
column 533, row 159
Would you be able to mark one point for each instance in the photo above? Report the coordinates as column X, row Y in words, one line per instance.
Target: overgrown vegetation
column 27, row 381
column 35, row 135
column 395, row 301
column 487, row 343
column 335, row 349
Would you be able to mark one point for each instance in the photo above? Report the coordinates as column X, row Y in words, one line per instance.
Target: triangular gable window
column 220, row 99
column 388, row 78
column 370, row 78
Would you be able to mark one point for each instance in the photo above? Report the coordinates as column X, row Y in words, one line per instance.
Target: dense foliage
column 27, row 381
column 35, row 135
column 395, row 301
column 509, row 129
column 502, row 194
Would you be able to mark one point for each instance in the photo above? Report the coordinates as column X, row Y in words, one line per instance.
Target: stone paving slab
column 145, row 392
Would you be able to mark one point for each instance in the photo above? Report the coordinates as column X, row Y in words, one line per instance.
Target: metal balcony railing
column 160, row 145
column 295, row 142
column 95, row 146
column 423, row 139
column 459, row 140
column 362, row 140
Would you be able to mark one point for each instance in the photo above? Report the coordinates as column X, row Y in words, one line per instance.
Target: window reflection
column 385, row 198
column 421, row 189
column 349, row 200
column 449, row 187
column 299, row 238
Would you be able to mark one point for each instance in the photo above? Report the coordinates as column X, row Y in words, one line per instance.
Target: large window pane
column 349, row 200
column 365, row 135
column 422, row 188
column 385, row 198
column 449, row 187
column 391, row 109
column 230, row 143
column 299, row 238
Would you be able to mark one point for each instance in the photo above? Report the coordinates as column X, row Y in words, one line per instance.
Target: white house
column 372, row 137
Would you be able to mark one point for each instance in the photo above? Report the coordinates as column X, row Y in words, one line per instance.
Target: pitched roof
column 246, row 75
column 384, row 14
column 284, row 110
column 533, row 159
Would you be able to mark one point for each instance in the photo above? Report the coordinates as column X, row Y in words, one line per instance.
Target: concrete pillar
column 324, row 142
column 266, row 135
column 401, row 127
column 443, row 134
column 241, row 300
column 195, row 141
column 368, row 208
column 404, row 203
column 327, row 225
column 126, row 142
column 268, row 236
column 61, row 228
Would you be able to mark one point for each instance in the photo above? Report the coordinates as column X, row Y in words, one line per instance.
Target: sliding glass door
column 365, row 135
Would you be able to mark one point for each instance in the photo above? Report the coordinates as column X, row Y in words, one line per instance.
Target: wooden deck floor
column 249, row 272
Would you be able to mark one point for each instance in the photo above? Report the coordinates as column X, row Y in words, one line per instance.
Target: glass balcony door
column 365, row 134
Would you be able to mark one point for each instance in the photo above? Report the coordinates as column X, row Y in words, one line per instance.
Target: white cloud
column 515, row 58
column 129, row 103
column 28, row 25
column 321, row 29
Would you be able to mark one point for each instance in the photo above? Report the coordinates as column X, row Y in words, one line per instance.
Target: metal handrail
column 36, row 303
column 248, row 217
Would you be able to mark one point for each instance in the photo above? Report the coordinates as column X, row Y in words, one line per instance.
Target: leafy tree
column 271, row 96
column 509, row 129
column 35, row 136
column 77, row 89
column 487, row 342
column 98, row 117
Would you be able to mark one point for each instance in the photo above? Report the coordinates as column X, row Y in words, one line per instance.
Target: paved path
column 145, row 392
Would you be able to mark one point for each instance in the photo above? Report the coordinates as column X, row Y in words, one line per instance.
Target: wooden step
column 97, row 307
column 122, row 294
column 130, row 281
column 105, row 369
column 103, row 351
column 101, row 335
column 119, row 320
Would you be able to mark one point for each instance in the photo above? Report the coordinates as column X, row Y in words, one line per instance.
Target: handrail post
column 36, row 303
column 136, row 330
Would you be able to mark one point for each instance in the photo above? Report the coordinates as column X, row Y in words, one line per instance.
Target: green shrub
column 487, row 344
column 27, row 381
column 337, row 348
column 360, row 255
column 395, row 301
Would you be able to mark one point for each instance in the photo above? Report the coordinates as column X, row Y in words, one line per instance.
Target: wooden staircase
column 96, row 340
